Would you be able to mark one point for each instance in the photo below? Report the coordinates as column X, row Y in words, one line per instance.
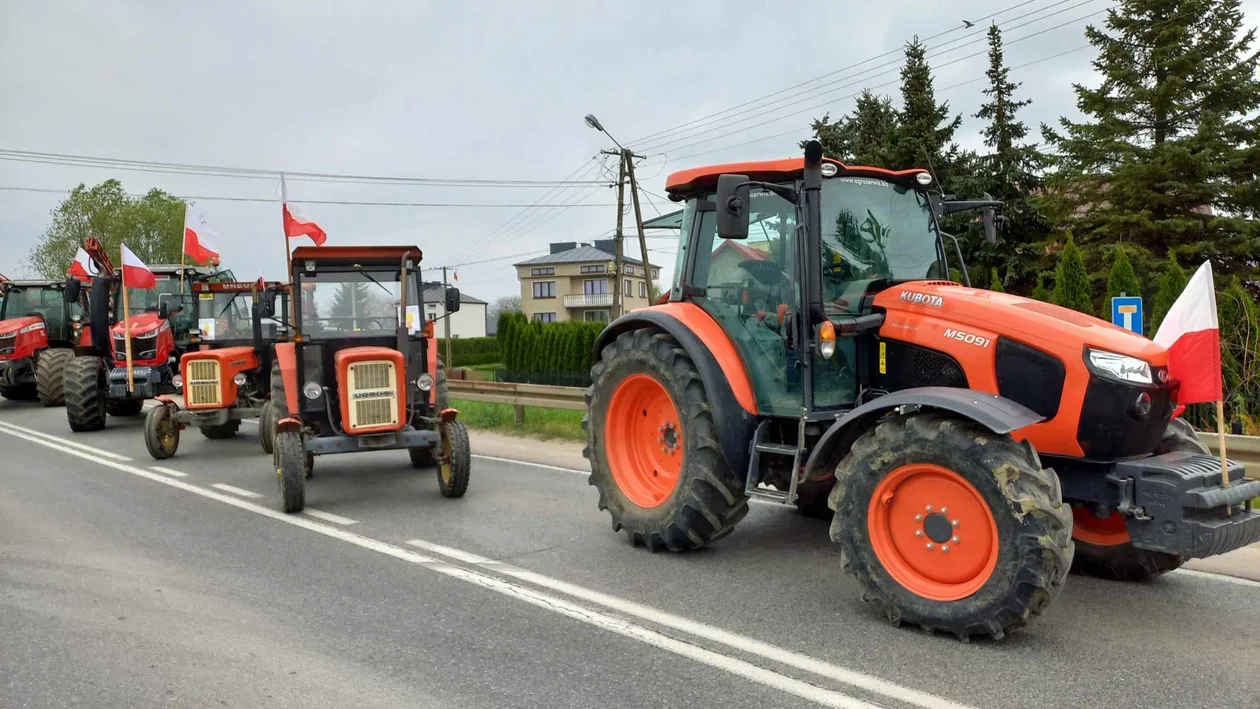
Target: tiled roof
column 581, row 254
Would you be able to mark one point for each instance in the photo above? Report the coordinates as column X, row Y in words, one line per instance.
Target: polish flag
column 135, row 273
column 297, row 226
column 83, row 268
column 1192, row 334
column 198, row 243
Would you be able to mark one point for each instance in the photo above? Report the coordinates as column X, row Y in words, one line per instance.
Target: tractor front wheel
column 161, row 432
column 453, row 481
column 652, row 443
column 291, row 470
column 951, row 527
column 50, row 376
column 1103, row 546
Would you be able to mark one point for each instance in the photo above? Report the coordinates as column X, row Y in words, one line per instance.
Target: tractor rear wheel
column 85, row 394
column 291, row 470
column 1103, row 547
column 951, row 527
column 50, row 376
column 652, row 443
column 267, row 426
column 161, row 433
column 220, row 431
column 124, row 407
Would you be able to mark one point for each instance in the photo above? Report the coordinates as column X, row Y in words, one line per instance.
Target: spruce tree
column 924, row 131
column 1071, row 280
column 1040, row 292
column 1171, row 282
column 864, row 137
column 1121, row 281
column 995, row 283
column 1166, row 155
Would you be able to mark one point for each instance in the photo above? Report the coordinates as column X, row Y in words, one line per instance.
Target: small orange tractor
column 226, row 374
column 38, row 331
column 974, row 446
column 362, row 371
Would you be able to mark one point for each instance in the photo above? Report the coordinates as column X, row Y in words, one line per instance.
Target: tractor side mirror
column 452, row 300
column 732, row 206
column 267, row 303
column 71, row 294
column 165, row 309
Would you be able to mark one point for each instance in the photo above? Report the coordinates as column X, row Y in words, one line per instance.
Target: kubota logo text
column 934, row 301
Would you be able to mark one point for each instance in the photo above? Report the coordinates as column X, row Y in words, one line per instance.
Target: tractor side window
column 748, row 289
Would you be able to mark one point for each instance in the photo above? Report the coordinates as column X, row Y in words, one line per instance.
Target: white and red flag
column 295, row 225
column 83, row 267
column 1192, row 334
column 134, row 272
column 199, row 238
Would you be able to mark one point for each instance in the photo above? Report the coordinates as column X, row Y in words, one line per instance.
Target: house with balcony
column 575, row 282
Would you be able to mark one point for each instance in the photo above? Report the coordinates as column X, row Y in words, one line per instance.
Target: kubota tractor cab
column 971, row 443
column 161, row 322
column 226, row 372
column 37, row 337
column 362, row 372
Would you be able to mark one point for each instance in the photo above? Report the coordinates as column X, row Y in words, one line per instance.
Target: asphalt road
column 126, row 585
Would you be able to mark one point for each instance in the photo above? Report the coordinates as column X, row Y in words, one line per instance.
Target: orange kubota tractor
column 973, row 445
column 226, row 373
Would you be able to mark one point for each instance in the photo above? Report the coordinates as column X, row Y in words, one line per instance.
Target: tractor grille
column 202, row 387
column 7, row 344
column 373, row 395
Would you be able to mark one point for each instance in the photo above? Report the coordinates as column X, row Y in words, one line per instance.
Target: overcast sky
column 474, row 89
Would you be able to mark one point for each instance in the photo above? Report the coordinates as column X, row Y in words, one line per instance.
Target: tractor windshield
column 229, row 316
column 43, row 301
column 354, row 303
column 141, row 300
column 874, row 230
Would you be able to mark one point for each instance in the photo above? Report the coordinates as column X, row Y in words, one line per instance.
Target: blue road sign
column 1126, row 311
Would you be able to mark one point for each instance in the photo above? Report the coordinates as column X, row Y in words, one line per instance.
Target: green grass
column 539, row 423
column 488, row 367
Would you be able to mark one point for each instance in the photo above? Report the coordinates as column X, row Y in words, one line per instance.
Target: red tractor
column 974, row 446
column 38, row 331
column 96, row 381
column 226, row 378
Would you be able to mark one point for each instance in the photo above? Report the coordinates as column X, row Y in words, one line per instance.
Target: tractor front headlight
column 312, row 390
column 1120, row 367
column 239, row 379
column 178, row 381
column 424, row 382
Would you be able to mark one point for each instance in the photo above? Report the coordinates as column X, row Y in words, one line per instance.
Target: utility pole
column 617, row 267
column 627, row 159
column 446, row 322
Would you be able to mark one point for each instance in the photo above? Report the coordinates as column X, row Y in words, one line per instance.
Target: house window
column 595, row 316
column 544, row 317
column 545, row 289
column 593, row 269
column 643, row 289
column 595, row 287
column 656, row 272
column 629, row 270
column 625, row 289
column 542, row 271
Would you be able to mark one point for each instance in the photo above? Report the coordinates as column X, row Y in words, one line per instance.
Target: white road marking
column 1212, row 576
column 556, row 468
column 330, row 517
column 168, row 471
column 748, row 645
column 236, row 490
column 63, row 441
column 554, row 604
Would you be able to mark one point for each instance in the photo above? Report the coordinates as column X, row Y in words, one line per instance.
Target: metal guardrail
column 1244, row 449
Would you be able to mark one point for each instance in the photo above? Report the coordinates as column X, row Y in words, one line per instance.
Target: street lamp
column 593, row 122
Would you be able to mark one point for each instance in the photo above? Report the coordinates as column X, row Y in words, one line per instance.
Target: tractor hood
column 142, row 325
column 1042, row 325
column 13, row 326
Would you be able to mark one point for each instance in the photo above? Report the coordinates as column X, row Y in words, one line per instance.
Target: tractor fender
column 735, row 419
column 289, row 423
column 166, row 400
column 998, row 414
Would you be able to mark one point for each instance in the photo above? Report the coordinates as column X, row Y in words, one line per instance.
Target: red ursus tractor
column 226, row 375
column 972, row 444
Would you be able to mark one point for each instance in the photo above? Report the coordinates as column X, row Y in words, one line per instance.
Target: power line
column 881, row 70
column 349, row 202
column 258, row 173
column 657, row 134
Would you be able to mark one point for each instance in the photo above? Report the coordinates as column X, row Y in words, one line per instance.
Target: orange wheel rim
column 1106, row 531
column 645, row 440
column 933, row 532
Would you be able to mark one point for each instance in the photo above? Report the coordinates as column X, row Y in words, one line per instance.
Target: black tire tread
column 85, row 406
column 267, row 427
column 461, row 461
column 425, row 457
column 124, row 407
column 709, row 500
column 152, row 439
column 50, row 376
column 1045, row 547
column 290, row 462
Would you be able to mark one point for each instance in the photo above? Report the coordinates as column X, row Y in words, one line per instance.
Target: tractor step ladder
column 751, row 483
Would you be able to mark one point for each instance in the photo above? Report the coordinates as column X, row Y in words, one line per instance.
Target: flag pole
column 183, row 264
column 131, row 381
column 288, row 257
column 1220, row 437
